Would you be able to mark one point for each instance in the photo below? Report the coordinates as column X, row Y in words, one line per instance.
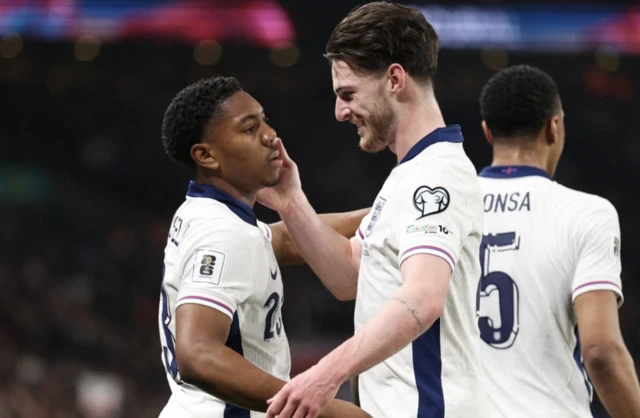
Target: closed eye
column 251, row 129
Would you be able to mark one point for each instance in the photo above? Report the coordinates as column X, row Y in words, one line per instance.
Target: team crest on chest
column 377, row 211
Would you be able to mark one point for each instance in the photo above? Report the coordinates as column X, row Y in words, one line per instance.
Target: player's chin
column 368, row 144
column 272, row 179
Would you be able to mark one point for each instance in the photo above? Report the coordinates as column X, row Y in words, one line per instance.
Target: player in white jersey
column 550, row 284
column 414, row 262
column 224, row 347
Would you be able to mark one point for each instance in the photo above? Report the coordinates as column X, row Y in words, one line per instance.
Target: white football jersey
column 218, row 255
column 430, row 203
column 544, row 244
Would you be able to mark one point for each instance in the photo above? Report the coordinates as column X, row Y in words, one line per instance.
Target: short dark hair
column 518, row 101
column 378, row 34
column 189, row 113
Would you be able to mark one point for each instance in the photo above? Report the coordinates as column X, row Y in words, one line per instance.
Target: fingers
column 301, row 412
column 281, row 149
column 276, row 404
column 289, row 410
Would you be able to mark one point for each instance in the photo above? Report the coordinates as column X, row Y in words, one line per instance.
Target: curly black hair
column 518, row 101
column 189, row 113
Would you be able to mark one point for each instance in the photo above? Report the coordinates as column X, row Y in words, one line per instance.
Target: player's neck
column 511, row 156
column 414, row 123
column 247, row 199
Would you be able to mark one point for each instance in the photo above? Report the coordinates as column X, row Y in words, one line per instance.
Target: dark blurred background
column 86, row 192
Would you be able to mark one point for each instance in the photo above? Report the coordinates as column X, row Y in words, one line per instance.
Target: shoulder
column 211, row 222
column 580, row 205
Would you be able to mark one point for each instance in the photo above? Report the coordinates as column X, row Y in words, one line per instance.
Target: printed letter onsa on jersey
column 207, row 266
column 430, row 201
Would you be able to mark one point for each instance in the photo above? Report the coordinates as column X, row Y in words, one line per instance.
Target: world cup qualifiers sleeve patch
column 429, row 201
column 207, row 266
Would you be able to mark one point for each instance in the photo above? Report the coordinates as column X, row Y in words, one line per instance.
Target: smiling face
column 241, row 143
column 364, row 101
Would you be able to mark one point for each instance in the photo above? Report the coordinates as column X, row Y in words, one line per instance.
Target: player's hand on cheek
column 307, row 394
column 278, row 196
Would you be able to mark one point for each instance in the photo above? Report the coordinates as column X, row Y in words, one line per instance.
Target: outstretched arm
column 333, row 257
column 286, row 251
column 410, row 312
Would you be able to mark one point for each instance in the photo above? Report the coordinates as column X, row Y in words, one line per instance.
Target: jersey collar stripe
column 215, row 302
column 243, row 211
column 451, row 133
column 512, row 171
column 360, row 233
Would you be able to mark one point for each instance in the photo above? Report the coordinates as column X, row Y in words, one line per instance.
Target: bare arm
column 410, row 312
column 287, row 253
column 334, row 258
column 606, row 357
column 206, row 362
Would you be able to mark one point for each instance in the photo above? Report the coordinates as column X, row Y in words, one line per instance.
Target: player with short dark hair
column 550, row 285
column 224, row 347
column 413, row 264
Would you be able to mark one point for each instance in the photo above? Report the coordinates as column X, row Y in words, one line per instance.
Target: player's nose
column 343, row 113
column 268, row 137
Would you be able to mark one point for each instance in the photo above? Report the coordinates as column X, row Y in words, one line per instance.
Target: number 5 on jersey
column 497, row 302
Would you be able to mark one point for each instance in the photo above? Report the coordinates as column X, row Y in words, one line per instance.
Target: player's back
column 540, row 250
column 218, row 255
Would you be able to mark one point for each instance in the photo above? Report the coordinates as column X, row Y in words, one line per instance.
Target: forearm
column 229, row 376
column 344, row 223
column 614, row 378
column 403, row 318
column 326, row 251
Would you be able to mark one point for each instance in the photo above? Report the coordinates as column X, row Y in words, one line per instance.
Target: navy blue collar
column 451, row 133
column 243, row 211
column 512, row 171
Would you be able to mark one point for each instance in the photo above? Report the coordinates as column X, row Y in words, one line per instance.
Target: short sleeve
column 217, row 270
column 598, row 240
column 432, row 213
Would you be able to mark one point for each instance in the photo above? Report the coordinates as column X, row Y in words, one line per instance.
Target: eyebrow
column 341, row 89
column 251, row 116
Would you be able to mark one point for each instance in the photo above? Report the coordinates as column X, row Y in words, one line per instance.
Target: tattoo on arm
column 412, row 311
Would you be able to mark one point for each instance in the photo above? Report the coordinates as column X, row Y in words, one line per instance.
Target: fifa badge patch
column 377, row 211
column 207, row 266
column 616, row 246
column 430, row 201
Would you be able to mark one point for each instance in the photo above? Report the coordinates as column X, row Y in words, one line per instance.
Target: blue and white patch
column 377, row 211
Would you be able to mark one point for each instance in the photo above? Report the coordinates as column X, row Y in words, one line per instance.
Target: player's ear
column 204, row 156
column 487, row 133
column 553, row 130
column 396, row 77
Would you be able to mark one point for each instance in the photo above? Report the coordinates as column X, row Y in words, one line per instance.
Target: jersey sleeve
column 217, row 268
column 432, row 214
column 598, row 240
